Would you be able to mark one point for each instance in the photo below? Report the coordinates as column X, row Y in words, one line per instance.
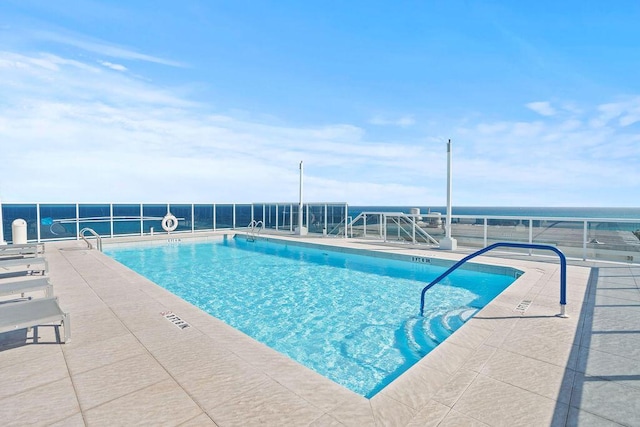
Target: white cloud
column 116, row 67
column 542, row 108
column 102, row 48
column 75, row 131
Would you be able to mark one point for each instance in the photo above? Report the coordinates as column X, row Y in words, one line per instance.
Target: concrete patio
column 127, row 364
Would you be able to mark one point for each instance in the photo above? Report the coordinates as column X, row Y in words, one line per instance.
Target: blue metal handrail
column 563, row 270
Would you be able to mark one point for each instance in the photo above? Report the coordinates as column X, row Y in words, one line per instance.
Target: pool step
column 419, row 335
column 454, row 319
column 416, row 337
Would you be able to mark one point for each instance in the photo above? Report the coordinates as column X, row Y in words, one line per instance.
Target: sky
column 219, row 101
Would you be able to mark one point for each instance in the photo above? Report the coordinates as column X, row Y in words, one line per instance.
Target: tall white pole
column 448, row 242
column 302, row 231
column 449, row 209
column 301, row 193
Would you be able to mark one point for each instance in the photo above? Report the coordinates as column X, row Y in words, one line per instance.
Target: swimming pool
column 350, row 317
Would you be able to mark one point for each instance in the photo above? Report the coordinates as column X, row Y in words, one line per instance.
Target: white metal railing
column 385, row 223
column 611, row 239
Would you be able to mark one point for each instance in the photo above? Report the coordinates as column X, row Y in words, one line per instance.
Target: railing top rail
column 544, row 218
column 563, row 269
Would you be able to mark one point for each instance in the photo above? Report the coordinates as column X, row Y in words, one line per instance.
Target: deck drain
column 523, row 306
column 173, row 318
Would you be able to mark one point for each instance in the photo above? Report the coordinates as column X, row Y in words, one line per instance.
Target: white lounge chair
column 23, row 264
column 14, row 287
column 21, row 250
column 34, row 312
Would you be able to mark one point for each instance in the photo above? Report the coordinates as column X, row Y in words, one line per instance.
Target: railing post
column 585, row 236
column 77, row 221
column 486, row 230
column 530, row 236
column 38, row 222
column 214, row 217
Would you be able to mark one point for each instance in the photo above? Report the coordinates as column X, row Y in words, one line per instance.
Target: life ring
column 169, row 223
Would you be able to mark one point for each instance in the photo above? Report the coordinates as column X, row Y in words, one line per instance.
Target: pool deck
column 511, row 365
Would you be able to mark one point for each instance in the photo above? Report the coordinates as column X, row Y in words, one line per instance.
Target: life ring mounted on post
column 169, row 223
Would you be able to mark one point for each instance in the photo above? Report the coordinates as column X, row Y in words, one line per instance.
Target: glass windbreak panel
column 335, row 216
column 566, row 235
column 224, row 216
column 259, row 212
column 126, row 219
column 152, row 217
column 372, row 226
column 183, row 213
column 316, row 218
column 470, row 231
column 243, row 215
column 284, row 217
column 203, row 217
column 57, row 221
column 613, row 240
column 271, row 216
column 96, row 217
column 294, row 216
column 27, row 212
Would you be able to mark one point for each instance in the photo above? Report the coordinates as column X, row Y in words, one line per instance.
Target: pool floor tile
column 265, row 405
column 112, row 381
column 163, row 403
column 43, row 405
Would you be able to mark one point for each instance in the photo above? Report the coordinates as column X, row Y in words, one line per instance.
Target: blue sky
column 218, row 101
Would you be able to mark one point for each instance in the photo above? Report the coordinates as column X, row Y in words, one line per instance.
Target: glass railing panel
column 243, row 216
column 183, row 213
column 336, row 215
column 27, row 212
column 259, row 212
column 271, row 216
column 613, row 240
column 152, row 217
column 294, row 216
column 203, row 217
column 58, row 221
column 316, row 218
column 224, row 216
column 284, row 217
column 126, row 219
column 95, row 216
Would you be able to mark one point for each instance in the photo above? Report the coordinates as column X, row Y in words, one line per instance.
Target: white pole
column 2, row 242
column 301, row 193
column 302, row 231
column 448, row 242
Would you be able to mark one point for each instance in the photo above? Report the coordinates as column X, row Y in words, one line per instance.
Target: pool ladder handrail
column 253, row 225
column 96, row 235
column 563, row 270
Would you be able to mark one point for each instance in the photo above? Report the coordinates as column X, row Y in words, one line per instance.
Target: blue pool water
column 352, row 318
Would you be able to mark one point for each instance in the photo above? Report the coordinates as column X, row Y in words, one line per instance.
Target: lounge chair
column 13, row 287
column 34, row 312
column 8, row 266
column 21, row 250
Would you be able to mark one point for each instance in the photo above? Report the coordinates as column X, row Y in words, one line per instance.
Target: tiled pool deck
column 128, row 365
